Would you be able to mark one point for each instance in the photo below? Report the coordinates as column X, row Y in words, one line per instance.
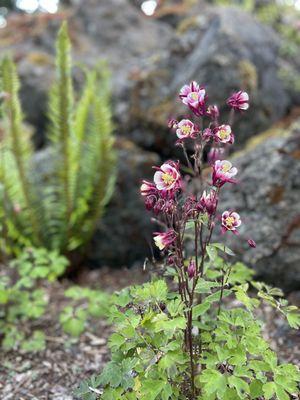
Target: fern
column 96, row 179
column 62, row 211
column 16, row 152
column 61, row 125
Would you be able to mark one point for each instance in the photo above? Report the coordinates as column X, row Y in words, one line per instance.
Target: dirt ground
column 53, row 374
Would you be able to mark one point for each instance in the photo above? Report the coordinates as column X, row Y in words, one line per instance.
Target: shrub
column 186, row 341
column 62, row 212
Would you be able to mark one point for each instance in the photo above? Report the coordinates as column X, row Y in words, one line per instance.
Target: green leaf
column 74, row 326
column 240, row 385
column 204, row 286
column 151, row 388
column 171, row 324
column 212, row 252
column 212, row 381
column 35, row 343
column 271, row 359
column 281, row 393
column 293, row 319
column 268, row 390
column 256, row 389
column 200, row 309
column 116, row 340
column 223, row 248
column 217, row 295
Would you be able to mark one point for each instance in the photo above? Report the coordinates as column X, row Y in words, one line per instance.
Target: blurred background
column 153, row 48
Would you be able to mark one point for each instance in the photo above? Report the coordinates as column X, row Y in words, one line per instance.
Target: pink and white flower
column 194, row 96
column 223, row 172
column 167, row 177
column 215, row 153
column 213, row 112
column 223, row 134
column 148, row 188
column 208, row 202
column 164, row 239
column 186, row 129
column 231, row 220
column 239, row 100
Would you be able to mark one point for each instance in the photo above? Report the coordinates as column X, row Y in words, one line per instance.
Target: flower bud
column 191, row 269
column 251, row 243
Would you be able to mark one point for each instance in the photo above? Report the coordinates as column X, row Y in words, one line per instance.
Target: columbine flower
column 213, row 112
column 223, row 134
column 208, row 202
column 223, row 172
column 239, row 101
column 164, row 239
column 172, row 123
column 194, row 97
column 148, row 188
column 207, row 134
column 167, row 177
column 191, row 270
column 230, row 221
column 186, row 129
column 215, row 153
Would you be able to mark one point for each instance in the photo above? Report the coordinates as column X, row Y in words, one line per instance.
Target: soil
column 53, row 374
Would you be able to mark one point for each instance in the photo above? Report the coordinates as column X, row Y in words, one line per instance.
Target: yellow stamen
column 168, row 179
column 186, row 129
column 223, row 134
column 194, row 95
column 229, row 221
column 225, row 167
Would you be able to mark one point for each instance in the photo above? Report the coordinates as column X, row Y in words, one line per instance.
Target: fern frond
column 16, row 149
column 61, row 124
column 95, row 180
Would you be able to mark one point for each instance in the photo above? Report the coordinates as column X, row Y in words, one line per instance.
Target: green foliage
column 20, row 300
column 85, row 303
column 233, row 361
column 59, row 211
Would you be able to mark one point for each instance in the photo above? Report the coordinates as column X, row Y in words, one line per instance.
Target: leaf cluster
column 84, row 304
column 21, row 300
column 149, row 358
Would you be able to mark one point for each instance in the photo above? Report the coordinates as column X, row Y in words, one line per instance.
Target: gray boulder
column 113, row 30
column 267, row 197
column 224, row 49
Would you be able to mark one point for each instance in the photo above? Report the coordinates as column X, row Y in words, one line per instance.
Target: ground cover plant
column 22, row 298
column 59, row 211
column 178, row 337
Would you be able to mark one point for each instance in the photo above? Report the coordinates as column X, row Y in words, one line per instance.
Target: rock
column 124, row 234
column 224, row 49
column 267, row 197
column 114, row 30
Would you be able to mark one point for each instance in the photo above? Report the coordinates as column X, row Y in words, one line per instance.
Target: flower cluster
column 178, row 204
